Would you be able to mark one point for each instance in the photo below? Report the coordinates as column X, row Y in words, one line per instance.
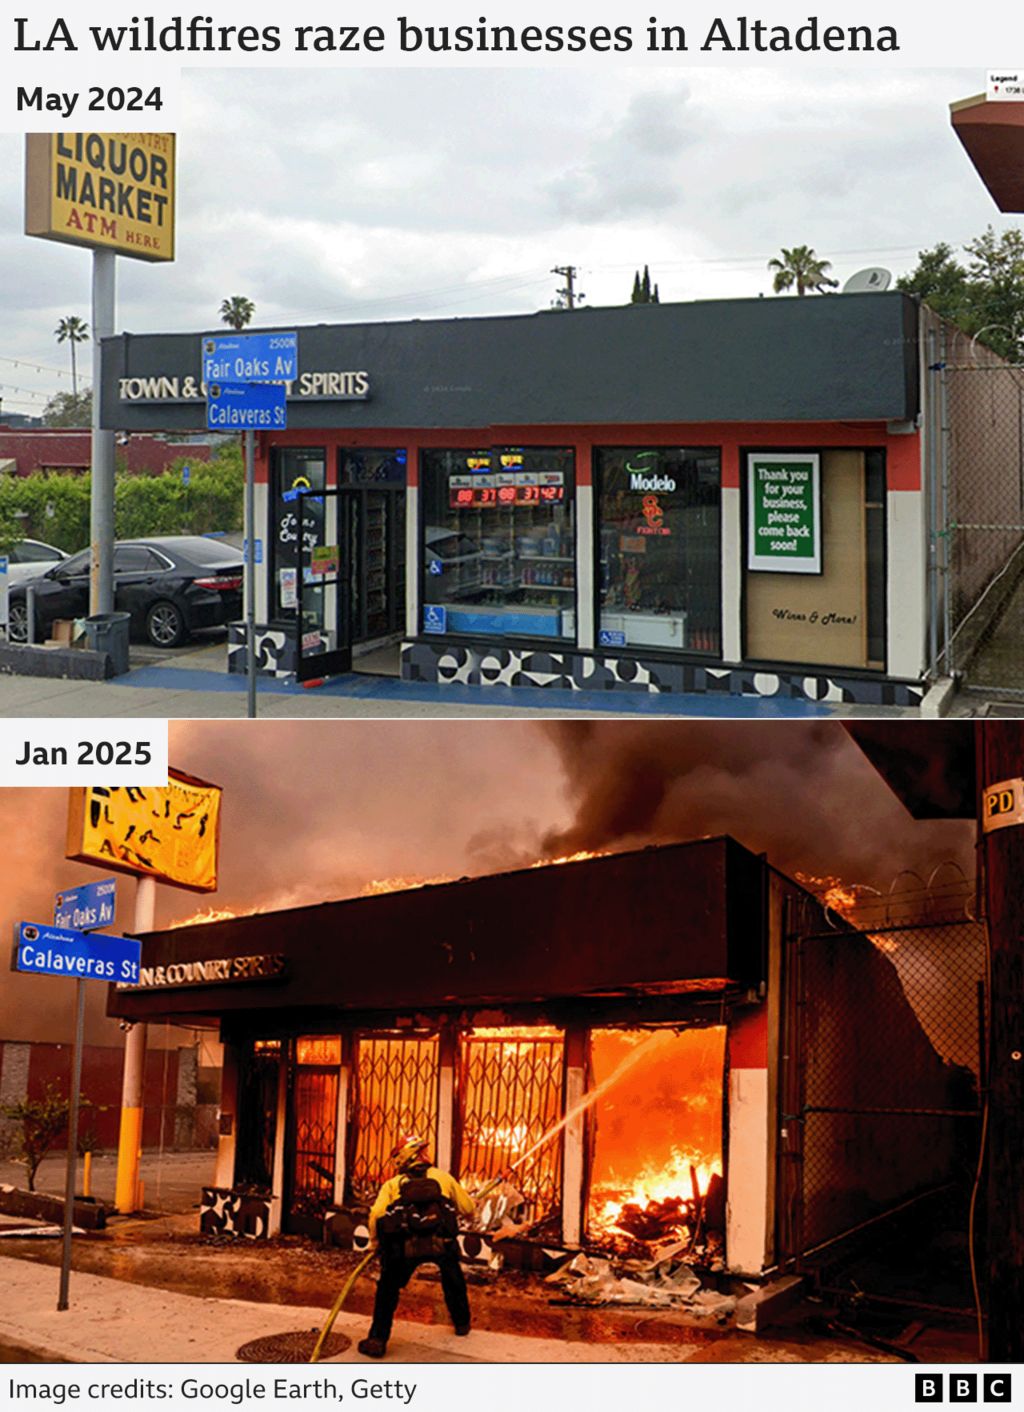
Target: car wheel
column 17, row 622
column 165, row 625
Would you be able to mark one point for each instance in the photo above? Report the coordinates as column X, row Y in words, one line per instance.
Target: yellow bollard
column 87, row 1175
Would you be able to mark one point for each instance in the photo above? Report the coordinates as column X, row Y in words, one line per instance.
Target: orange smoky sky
column 317, row 810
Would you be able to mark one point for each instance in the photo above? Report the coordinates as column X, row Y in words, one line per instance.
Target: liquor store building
column 722, row 497
column 620, row 1035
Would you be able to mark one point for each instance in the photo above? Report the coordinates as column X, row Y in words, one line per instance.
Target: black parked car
column 170, row 586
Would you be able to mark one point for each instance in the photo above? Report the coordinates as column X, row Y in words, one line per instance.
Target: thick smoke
column 802, row 792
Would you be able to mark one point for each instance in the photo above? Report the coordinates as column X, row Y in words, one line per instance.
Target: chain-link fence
column 978, row 514
column 884, row 1070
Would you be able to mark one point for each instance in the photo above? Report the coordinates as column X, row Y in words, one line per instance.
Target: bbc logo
column 963, row 1387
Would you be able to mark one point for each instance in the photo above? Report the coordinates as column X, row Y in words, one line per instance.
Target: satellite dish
column 870, row 281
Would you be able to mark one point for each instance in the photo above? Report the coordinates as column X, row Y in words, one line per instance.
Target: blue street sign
column 251, row 357
column 245, row 406
column 258, row 548
column 186, row 474
column 608, row 637
column 87, row 907
column 435, row 618
column 58, row 951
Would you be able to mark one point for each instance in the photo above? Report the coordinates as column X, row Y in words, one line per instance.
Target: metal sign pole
column 72, row 1164
column 101, row 534
column 250, row 572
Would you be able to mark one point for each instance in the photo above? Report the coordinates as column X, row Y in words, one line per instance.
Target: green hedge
column 56, row 504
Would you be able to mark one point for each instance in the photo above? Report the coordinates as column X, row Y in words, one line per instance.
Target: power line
column 33, row 366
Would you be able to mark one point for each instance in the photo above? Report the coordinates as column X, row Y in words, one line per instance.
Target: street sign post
column 43, row 950
column 5, row 579
column 244, row 375
column 86, row 908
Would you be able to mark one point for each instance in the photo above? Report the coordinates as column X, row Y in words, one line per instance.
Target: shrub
column 55, row 506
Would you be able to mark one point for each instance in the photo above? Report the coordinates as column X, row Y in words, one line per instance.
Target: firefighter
column 415, row 1221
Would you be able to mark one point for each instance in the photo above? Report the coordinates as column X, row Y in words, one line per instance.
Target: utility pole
column 101, row 512
column 568, row 296
column 1000, row 760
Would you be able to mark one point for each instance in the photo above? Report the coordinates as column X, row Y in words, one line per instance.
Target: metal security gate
column 975, row 474
column 882, row 1068
column 394, row 1094
column 510, row 1095
column 311, row 1147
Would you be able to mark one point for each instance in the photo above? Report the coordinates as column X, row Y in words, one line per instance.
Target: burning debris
column 667, row 1282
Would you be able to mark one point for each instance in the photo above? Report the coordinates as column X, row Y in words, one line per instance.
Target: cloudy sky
column 385, row 194
column 319, row 810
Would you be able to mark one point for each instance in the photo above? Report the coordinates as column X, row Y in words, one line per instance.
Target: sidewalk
column 188, row 692
column 110, row 1321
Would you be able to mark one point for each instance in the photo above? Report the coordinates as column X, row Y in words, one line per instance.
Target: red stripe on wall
column 903, row 453
column 748, row 1039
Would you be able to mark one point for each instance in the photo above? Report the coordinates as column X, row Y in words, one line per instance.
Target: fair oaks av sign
column 347, row 386
column 784, row 513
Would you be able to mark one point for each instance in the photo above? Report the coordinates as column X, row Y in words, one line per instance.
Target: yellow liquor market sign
column 106, row 190
column 170, row 833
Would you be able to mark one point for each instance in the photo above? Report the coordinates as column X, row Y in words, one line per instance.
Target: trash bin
column 108, row 632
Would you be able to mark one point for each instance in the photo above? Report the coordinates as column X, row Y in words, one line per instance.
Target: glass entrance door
column 323, row 620
column 373, row 539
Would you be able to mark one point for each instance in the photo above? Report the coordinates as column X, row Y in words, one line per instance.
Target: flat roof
column 652, row 921
column 836, row 357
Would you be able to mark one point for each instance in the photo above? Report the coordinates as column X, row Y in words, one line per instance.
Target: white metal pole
column 129, row 1145
column 101, row 582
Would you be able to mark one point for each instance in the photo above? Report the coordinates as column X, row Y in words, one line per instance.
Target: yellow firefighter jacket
column 450, row 1188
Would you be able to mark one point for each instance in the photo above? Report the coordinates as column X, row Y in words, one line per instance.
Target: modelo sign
column 105, row 190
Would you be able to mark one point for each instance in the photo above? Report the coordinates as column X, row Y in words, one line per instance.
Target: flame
column 840, row 897
column 580, row 856
column 651, row 1186
column 208, row 914
column 846, row 900
column 378, row 886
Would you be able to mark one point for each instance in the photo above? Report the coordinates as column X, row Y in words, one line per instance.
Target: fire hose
column 346, row 1288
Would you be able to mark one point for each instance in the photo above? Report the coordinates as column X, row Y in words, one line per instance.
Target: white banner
column 78, row 752
column 468, row 1387
column 104, row 67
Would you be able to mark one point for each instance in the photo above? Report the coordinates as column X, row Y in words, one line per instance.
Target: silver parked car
column 30, row 558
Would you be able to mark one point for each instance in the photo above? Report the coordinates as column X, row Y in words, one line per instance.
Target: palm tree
column 237, row 311
column 801, row 267
column 72, row 330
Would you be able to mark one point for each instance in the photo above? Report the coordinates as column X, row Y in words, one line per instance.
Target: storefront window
column 815, row 559
column 499, row 551
column 295, row 469
column 318, row 1049
column 659, row 579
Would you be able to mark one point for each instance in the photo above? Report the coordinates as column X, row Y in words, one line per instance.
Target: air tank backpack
column 421, row 1223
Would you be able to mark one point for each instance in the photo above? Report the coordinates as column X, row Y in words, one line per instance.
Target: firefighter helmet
column 410, row 1149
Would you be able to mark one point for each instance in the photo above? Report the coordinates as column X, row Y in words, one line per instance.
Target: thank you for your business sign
column 784, row 513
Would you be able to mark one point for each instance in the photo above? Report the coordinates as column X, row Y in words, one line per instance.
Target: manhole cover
column 291, row 1347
